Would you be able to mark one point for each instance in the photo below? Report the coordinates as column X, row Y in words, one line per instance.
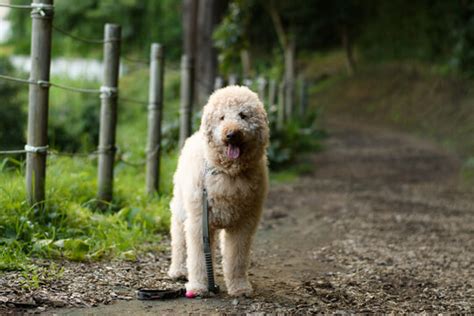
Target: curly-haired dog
column 227, row 156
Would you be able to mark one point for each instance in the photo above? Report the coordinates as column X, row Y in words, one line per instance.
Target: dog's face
column 235, row 124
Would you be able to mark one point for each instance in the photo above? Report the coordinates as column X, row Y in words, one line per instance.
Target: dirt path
column 378, row 226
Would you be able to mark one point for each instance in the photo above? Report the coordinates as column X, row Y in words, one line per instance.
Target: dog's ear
column 206, row 123
column 264, row 135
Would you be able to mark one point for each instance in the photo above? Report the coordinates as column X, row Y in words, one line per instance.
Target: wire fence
column 93, row 154
column 80, row 38
column 47, row 84
column 16, row 6
column 107, row 152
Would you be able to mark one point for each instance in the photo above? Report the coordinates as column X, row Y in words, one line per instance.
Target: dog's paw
column 240, row 288
column 177, row 274
column 197, row 289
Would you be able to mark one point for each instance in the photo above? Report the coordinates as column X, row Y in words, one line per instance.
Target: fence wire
column 42, row 83
column 119, row 156
column 137, row 61
column 13, row 79
column 12, row 152
column 128, row 100
column 83, row 39
column 16, row 6
column 139, row 163
column 74, row 89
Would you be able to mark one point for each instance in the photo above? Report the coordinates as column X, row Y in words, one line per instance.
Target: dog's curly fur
column 237, row 187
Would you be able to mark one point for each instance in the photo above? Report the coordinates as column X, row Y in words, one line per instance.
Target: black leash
column 156, row 294
column 211, row 285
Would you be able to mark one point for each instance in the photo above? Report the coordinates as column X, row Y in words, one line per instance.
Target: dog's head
column 235, row 125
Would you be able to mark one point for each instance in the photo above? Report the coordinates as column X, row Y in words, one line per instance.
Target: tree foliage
column 142, row 22
column 430, row 31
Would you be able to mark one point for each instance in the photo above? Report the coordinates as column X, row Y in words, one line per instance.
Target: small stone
column 235, row 302
column 58, row 303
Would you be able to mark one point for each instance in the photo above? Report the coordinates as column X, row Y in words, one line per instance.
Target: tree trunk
column 289, row 53
column 190, row 11
column 347, row 45
column 246, row 65
column 209, row 15
column 288, row 44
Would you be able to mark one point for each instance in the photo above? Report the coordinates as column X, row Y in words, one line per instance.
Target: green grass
column 292, row 172
column 467, row 172
column 71, row 226
column 284, row 176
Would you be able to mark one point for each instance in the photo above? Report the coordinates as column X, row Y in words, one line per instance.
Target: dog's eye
column 222, row 117
column 242, row 115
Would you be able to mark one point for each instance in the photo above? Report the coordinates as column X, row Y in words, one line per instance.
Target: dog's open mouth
column 233, row 151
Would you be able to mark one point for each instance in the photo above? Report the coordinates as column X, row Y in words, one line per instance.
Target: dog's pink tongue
column 233, row 152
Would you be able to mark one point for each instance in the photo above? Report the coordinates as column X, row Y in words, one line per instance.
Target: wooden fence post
column 272, row 93
column 303, row 97
column 185, row 126
column 262, row 86
column 218, row 83
column 289, row 99
column 155, row 113
column 38, row 98
column 281, row 106
column 247, row 82
column 108, row 112
column 233, row 80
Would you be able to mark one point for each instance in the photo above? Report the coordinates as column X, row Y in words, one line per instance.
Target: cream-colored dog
column 228, row 157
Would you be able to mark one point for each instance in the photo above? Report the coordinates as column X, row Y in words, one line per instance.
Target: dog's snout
column 230, row 135
column 233, row 136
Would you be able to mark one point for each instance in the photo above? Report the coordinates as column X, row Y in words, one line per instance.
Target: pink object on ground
column 190, row 294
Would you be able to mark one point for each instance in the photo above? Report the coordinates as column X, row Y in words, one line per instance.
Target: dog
column 227, row 156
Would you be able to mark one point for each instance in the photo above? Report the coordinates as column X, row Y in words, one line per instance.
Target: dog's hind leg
column 235, row 246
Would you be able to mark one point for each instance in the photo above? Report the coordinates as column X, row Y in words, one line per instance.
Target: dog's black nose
column 230, row 135
column 233, row 136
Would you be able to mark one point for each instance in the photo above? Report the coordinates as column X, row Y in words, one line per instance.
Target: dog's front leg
column 178, row 249
column 197, row 277
column 236, row 244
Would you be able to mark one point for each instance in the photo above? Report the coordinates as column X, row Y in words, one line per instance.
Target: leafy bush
column 296, row 136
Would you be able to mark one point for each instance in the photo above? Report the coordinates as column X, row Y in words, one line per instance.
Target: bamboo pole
column 155, row 112
column 108, row 112
column 38, row 99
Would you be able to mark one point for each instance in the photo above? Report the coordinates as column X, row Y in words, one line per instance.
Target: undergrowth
column 295, row 137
